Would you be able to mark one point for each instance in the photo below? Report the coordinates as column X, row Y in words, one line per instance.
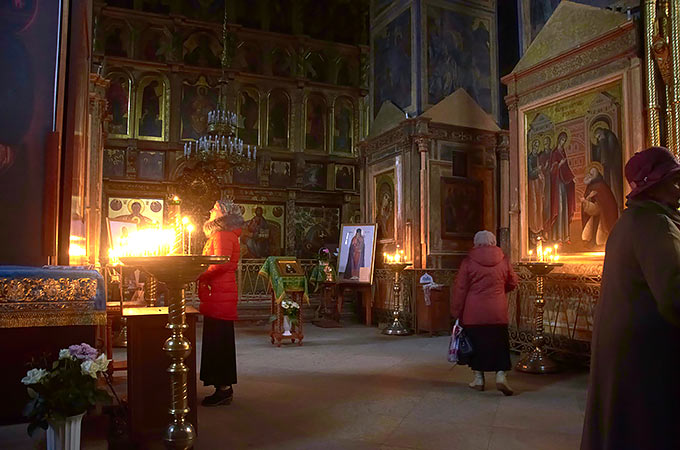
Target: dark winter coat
column 483, row 279
column 217, row 285
column 634, row 390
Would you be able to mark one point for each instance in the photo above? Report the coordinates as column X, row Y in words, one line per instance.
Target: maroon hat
column 649, row 167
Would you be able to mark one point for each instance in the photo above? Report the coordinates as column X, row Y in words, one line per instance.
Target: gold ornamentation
column 47, row 289
column 49, row 318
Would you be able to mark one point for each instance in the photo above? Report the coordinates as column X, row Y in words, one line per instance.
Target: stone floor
column 352, row 388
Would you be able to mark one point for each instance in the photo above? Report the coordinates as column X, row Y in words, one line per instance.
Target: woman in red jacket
column 219, row 296
column 479, row 301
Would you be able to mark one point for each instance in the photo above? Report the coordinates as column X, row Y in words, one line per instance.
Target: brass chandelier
column 219, row 148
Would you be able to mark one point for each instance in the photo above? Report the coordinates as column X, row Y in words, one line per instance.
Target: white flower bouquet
column 290, row 309
column 66, row 387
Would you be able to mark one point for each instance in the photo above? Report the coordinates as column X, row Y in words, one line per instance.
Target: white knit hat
column 484, row 239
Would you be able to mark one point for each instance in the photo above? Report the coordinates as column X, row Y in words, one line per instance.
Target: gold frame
column 251, row 90
column 293, row 263
column 130, row 109
column 338, row 99
column 290, row 113
column 354, row 177
column 325, row 147
column 375, row 241
column 164, row 107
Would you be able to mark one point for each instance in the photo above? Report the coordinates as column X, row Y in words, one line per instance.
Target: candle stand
column 176, row 272
column 397, row 328
column 537, row 361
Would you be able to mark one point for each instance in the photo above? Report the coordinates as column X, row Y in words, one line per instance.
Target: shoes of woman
column 220, row 397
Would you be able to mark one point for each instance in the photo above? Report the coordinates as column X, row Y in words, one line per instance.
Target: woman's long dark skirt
column 491, row 345
column 218, row 356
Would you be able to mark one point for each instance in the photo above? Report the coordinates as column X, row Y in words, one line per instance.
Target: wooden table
column 277, row 325
column 435, row 317
column 148, row 382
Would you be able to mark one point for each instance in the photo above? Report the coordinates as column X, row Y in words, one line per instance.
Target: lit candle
column 185, row 221
column 539, row 249
column 191, row 230
column 531, row 255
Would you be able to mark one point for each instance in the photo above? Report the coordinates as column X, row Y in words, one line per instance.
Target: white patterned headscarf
column 484, row 239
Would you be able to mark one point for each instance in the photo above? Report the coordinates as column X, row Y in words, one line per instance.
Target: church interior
column 359, row 147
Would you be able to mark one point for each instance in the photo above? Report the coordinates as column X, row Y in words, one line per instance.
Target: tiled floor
column 352, row 388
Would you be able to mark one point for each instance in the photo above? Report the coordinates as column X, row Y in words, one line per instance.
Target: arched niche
column 249, row 115
column 152, row 105
column 278, row 119
column 316, row 122
column 202, row 49
column 343, row 125
column 119, row 101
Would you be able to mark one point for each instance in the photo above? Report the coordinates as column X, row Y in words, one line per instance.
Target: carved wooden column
column 423, row 147
column 503, row 155
column 290, row 218
column 93, row 199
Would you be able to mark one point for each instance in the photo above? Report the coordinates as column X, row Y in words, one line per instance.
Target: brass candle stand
column 397, row 328
column 537, row 361
column 176, row 272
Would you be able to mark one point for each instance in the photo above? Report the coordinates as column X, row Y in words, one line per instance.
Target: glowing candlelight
column 531, row 255
column 191, row 229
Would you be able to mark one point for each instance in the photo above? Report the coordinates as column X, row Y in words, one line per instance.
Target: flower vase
column 65, row 434
column 286, row 326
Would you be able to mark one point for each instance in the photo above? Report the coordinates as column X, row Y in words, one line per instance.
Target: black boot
column 220, row 397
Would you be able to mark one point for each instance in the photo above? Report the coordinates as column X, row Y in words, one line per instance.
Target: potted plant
column 62, row 392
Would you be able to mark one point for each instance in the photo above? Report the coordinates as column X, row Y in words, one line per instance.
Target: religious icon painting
column 315, row 227
column 262, row 233
column 197, row 100
column 315, row 129
column 280, row 174
column 344, row 177
column 314, row 176
column 151, row 165
column 144, row 212
column 151, row 103
column 391, row 48
column 356, row 253
column 113, row 163
column 249, row 116
column 342, row 125
column 119, row 231
column 279, row 111
column 573, row 187
column 202, row 49
column 118, row 104
column 384, row 197
column 289, row 268
column 461, row 207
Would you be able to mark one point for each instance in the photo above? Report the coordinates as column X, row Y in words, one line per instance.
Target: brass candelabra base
column 397, row 327
column 536, row 361
column 175, row 272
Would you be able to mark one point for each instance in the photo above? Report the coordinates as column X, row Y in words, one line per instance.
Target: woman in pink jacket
column 479, row 301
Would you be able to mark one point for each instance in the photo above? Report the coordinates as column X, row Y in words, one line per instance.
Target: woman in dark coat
column 479, row 300
column 219, row 296
column 634, row 393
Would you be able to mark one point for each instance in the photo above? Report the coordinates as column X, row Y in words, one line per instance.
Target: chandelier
column 220, row 148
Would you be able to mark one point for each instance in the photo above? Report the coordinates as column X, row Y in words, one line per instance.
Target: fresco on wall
column 279, row 106
column 342, row 126
column 458, row 56
column 314, row 176
column 315, row 66
column 262, row 233
column 144, row 212
column 392, row 63
column 315, row 129
column 315, row 227
column 249, row 110
column 384, row 206
column 249, row 58
column 574, row 162
column 197, row 100
column 151, row 165
column 113, row 164
column 152, row 45
column 118, row 104
column 150, row 108
column 281, row 63
column 202, row 49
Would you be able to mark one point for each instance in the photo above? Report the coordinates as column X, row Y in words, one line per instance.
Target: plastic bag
column 454, row 343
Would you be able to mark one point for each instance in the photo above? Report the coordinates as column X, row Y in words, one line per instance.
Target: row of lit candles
column 397, row 257
column 548, row 254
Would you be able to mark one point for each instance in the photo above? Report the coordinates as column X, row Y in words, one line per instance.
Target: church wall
column 423, row 50
column 302, row 102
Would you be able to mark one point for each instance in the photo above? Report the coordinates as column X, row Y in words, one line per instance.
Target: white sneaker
column 502, row 383
column 478, row 383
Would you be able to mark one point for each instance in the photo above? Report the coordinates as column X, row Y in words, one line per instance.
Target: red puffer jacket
column 217, row 285
column 482, row 281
